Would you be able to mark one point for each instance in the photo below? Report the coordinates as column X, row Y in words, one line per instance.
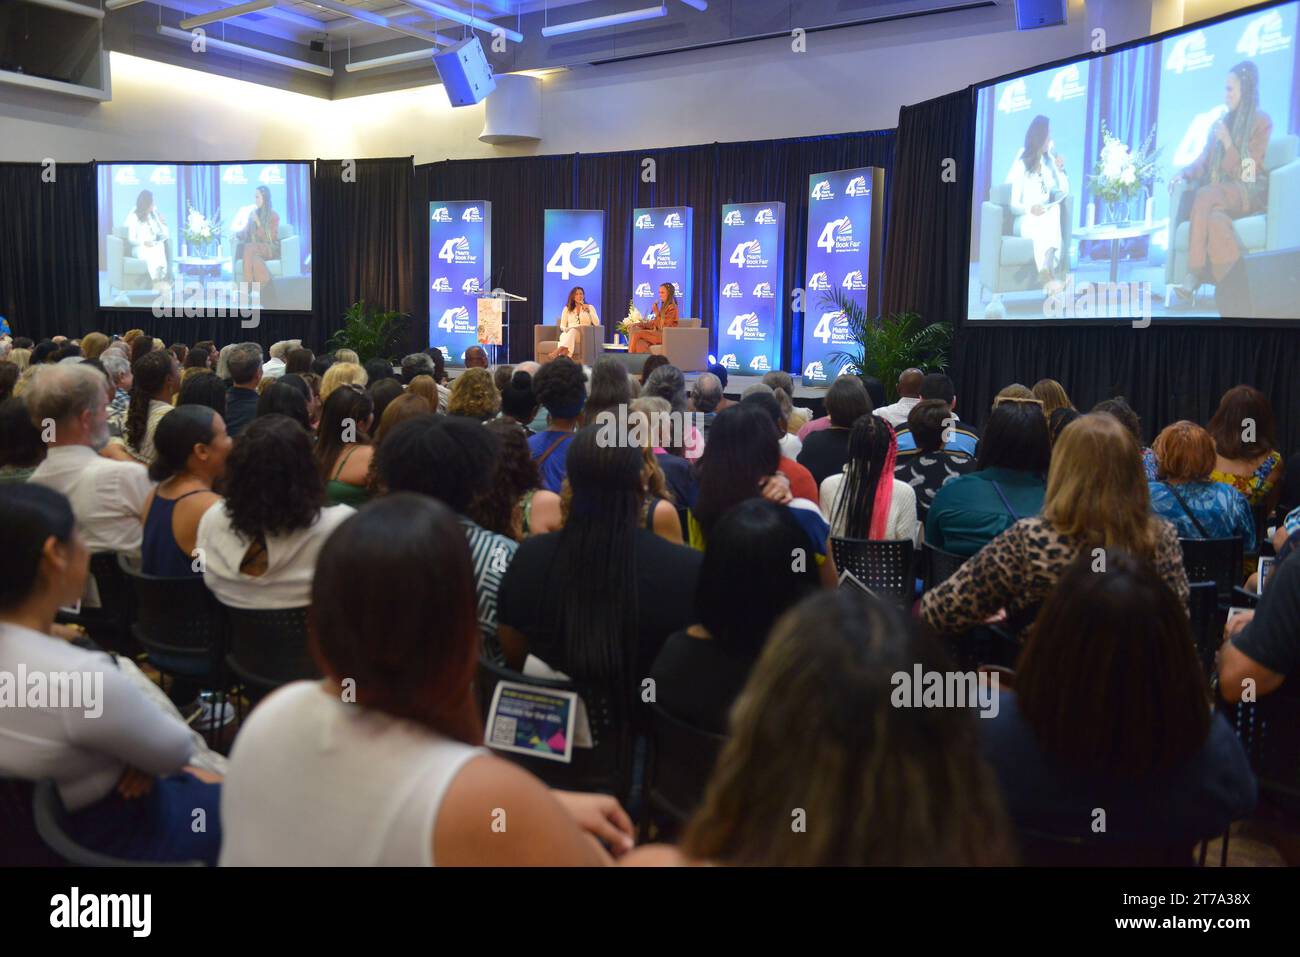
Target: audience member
column 513, row 503
column 1053, row 396
column 1110, row 711
column 281, row 398
column 1246, row 447
column 476, row 357
column 94, row 344
column 192, row 448
column 343, row 452
column 746, row 582
column 473, row 395
column 610, row 388
column 382, row 392
column 652, row 362
column 341, row 373
column 260, row 543
column 1008, row 483
column 21, row 448
column 958, row 436
column 1058, row 420
column 1183, row 494
column 705, row 399
column 561, row 388
column 659, row 511
column 244, row 362
column 8, row 379
column 825, row 452
column 931, row 464
column 410, row 744
column 203, row 388
column 299, row 360
column 909, row 394
column 501, row 376
column 120, row 763
column 450, row 459
column 156, row 379
column 866, row 501
column 1263, row 645
column 802, row 484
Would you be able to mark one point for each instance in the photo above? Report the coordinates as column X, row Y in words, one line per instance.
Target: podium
column 494, row 322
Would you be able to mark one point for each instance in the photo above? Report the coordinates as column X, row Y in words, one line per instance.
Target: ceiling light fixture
column 610, row 20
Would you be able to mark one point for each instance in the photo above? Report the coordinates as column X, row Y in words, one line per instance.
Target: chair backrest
column 175, row 616
column 1280, row 151
column 1269, row 731
column 688, row 323
column 51, row 824
column 884, row 567
column 1217, row 560
column 268, row 647
column 110, row 623
column 1000, row 194
column 682, row 760
column 939, row 565
column 1207, row 622
column 606, row 766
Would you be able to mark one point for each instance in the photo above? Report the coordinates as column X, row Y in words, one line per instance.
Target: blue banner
column 661, row 252
column 839, row 257
column 574, row 257
column 460, row 261
column 751, row 298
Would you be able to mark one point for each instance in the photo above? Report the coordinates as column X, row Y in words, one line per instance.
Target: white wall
column 849, row 79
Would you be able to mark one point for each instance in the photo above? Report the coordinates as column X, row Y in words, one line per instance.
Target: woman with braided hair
column 157, row 379
column 1227, row 181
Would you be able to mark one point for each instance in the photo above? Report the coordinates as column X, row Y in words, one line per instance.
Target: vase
column 1117, row 211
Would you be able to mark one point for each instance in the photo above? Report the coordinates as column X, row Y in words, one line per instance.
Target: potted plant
column 370, row 332
column 883, row 346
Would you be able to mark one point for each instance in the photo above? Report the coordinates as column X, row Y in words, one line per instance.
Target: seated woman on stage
column 1038, row 179
column 577, row 312
column 1228, row 180
column 259, row 238
column 663, row 315
column 147, row 233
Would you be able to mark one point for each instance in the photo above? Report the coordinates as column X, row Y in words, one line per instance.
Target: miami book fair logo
column 857, row 187
column 746, row 327
column 673, row 221
column 645, row 221
column 440, row 215
column 763, row 291
column 765, row 217
column 643, row 290
column 471, row 286
column 853, row 281
column 837, row 237
column 1263, row 35
column 729, row 361
column 832, row 327
column 818, row 282
column 1067, row 84
column 748, row 255
column 578, row 257
column 456, row 250
column 441, row 284
column 822, row 191
column 732, row 291
column 760, row 364
column 1189, row 53
column 472, row 215
column 456, row 319
column 1014, row 97
column 658, row 256
column 814, row 370
column 733, row 218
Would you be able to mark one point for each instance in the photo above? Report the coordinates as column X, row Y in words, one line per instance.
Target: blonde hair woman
column 93, row 345
column 342, row 373
column 21, row 358
column 1053, row 396
column 473, row 395
column 1096, row 499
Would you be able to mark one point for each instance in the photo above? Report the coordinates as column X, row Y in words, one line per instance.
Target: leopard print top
column 1017, row 569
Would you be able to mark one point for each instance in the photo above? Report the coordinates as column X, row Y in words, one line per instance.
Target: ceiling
column 337, row 32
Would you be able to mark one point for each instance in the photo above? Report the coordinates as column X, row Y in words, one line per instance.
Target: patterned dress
column 1220, row 510
column 1257, row 485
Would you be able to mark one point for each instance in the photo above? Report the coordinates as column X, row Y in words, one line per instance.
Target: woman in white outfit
column 148, row 235
column 577, row 312
column 1037, row 176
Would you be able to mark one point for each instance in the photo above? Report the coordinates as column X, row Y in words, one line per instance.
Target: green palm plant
column 883, row 346
column 370, row 332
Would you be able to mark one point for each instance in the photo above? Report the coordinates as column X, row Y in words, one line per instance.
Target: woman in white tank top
column 381, row 762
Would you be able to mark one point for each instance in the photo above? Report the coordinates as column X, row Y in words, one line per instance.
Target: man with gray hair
column 69, row 405
column 118, row 369
column 245, row 364
column 274, row 367
column 421, row 363
column 705, row 396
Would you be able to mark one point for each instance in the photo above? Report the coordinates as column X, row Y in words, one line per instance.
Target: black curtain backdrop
column 1166, row 372
column 48, row 259
column 702, row 177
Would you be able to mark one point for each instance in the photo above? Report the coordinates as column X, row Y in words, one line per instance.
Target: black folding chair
column 267, row 648
column 605, row 767
column 1217, row 560
column 939, row 565
column 20, row 844
column 109, row 625
column 883, row 568
column 182, row 627
column 1207, row 621
column 681, row 760
column 52, row 825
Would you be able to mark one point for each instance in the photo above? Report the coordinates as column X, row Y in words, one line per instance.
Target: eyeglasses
column 1012, row 398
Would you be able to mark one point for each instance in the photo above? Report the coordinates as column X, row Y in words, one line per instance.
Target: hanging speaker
column 465, row 72
column 1032, row 14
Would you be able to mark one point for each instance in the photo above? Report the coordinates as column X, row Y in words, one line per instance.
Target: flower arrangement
column 633, row 317
column 202, row 230
column 1120, row 173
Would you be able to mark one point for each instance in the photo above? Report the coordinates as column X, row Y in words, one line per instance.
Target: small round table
column 201, row 267
column 1114, row 233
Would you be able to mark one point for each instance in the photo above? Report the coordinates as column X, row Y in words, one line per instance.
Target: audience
column 192, row 448
column 1263, row 645
column 1052, row 394
column 451, row 459
column 1008, row 483
column 931, row 464
column 382, row 392
column 120, row 763
column 909, row 394
column 343, row 452
column 299, row 360
column 659, row 511
column 21, row 448
column 282, row 398
column 427, row 389
column 1096, row 500
column 260, row 543
column 610, row 387
column 802, row 483
column 1245, row 446
column 203, row 388
column 339, row 374
column 746, row 582
column 1183, row 494
column 561, row 388
column 825, row 452
column 958, row 436
column 1110, row 710
column 513, row 503
column 705, row 400
column 244, row 363
column 408, row 780
column 815, row 730
column 476, row 357
column 652, row 362
column 518, row 403
column 107, row 496
column 866, row 501
column 679, row 475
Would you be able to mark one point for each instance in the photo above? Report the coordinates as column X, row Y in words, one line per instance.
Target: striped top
column 490, row 555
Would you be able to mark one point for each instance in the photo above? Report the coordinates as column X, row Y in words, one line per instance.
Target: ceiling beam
column 465, row 19
column 379, row 21
column 227, row 13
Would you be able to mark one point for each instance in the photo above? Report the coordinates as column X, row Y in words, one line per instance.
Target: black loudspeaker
column 465, row 72
column 1032, row 14
column 1262, row 286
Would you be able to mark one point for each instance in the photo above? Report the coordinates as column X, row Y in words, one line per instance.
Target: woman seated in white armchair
column 577, row 312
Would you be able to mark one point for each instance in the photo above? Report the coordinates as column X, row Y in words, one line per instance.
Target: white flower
column 1128, row 177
